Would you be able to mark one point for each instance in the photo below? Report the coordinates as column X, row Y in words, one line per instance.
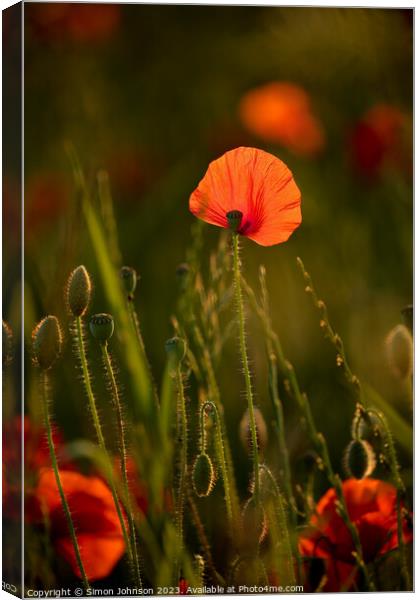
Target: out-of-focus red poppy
column 80, row 22
column 137, row 488
column 36, row 457
column 47, row 196
column 280, row 112
column 257, row 184
column 183, row 587
column 377, row 140
column 94, row 516
column 371, row 504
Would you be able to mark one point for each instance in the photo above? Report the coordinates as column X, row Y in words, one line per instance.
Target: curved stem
column 123, row 458
column 245, row 362
column 222, row 460
column 98, row 429
column 66, row 508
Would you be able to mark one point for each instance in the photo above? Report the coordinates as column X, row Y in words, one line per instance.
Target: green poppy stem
column 123, row 459
column 66, row 508
column 98, row 429
column 245, row 362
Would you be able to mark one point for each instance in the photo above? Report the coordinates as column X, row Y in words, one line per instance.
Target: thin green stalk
column 332, row 335
column 123, row 459
column 232, row 518
column 401, row 491
column 280, row 523
column 66, row 508
column 317, row 438
column 245, row 362
column 222, row 447
column 202, row 537
column 183, row 455
column 136, row 326
column 98, row 429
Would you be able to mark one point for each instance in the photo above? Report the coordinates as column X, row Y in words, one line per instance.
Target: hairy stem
column 245, row 362
column 123, row 459
column 98, row 429
column 66, row 508
column 183, row 433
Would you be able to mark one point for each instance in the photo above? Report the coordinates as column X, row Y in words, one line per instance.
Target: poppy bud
column 234, row 219
column 399, row 350
column 46, row 342
column 129, row 278
column 102, row 327
column 245, row 430
column 79, row 289
column 203, row 475
column 254, row 521
column 175, row 349
column 7, row 344
column 359, row 459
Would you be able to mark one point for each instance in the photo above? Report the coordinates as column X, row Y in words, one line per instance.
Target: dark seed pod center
column 102, row 327
column 234, row 219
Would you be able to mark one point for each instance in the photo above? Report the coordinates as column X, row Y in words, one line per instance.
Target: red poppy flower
column 81, row 22
column 37, row 456
column 378, row 140
column 95, row 518
column 280, row 112
column 372, row 508
column 257, row 184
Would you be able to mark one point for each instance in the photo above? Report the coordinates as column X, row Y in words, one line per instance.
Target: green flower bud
column 129, row 278
column 359, row 459
column 46, row 342
column 79, row 289
column 399, row 350
column 175, row 348
column 101, row 327
column 234, row 219
column 245, row 430
column 203, row 475
column 7, row 344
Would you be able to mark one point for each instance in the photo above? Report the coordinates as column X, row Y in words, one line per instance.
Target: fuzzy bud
column 129, row 279
column 79, row 289
column 203, row 475
column 399, row 350
column 101, row 327
column 359, row 459
column 175, row 348
column 245, row 430
column 46, row 342
column 7, row 344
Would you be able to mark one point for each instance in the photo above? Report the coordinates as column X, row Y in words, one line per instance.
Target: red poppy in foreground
column 258, row 185
column 372, row 508
column 95, row 519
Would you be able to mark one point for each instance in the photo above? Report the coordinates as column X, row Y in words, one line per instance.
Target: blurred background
column 151, row 94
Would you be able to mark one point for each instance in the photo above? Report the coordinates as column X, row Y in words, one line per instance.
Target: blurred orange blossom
column 280, row 112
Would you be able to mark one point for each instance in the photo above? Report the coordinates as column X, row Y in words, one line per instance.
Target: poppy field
column 218, row 285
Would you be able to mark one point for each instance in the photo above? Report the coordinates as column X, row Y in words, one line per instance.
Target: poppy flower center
column 234, row 219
